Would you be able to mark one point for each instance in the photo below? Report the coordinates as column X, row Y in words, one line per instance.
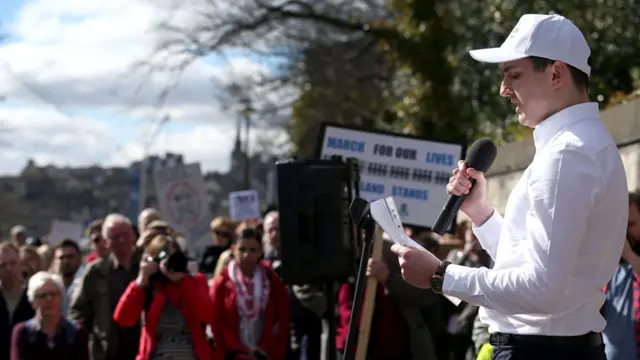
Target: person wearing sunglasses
column 99, row 247
column 221, row 235
column 48, row 335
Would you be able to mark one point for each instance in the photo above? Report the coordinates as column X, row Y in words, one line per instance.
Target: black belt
column 591, row 339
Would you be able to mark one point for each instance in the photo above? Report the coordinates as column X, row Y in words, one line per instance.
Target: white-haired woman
column 48, row 335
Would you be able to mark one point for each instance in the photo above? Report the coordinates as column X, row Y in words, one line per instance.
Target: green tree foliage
column 344, row 83
column 437, row 36
column 423, row 47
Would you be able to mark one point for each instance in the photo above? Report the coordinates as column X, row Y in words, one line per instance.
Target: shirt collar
column 548, row 128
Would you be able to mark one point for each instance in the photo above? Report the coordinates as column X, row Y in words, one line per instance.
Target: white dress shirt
column 561, row 237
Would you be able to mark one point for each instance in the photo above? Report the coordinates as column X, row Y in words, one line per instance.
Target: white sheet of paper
column 385, row 213
column 382, row 212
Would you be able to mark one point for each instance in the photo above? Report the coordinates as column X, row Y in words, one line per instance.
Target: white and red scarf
column 252, row 296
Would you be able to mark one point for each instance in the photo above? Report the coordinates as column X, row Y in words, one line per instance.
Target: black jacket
column 23, row 312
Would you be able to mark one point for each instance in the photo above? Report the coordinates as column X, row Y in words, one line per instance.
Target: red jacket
column 226, row 325
column 388, row 338
column 195, row 305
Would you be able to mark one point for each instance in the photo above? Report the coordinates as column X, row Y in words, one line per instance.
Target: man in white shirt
column 565, row 221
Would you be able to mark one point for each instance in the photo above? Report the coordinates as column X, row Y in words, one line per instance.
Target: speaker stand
column 369, row 226
column 330, row 341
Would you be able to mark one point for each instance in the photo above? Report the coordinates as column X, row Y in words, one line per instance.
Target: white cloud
column 51, row 138
column 209, row 144
column 48, row 137
column 77, row 55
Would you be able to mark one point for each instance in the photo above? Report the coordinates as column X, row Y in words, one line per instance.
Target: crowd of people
column 139, row 295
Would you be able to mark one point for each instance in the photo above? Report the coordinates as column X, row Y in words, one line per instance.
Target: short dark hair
column 69, row 243
column 580, row 78
column 250, row 233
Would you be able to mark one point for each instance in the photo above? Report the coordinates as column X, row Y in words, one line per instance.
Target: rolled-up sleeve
column 488, row 234
column 561, row 191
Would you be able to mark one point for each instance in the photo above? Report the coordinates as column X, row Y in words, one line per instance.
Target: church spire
column 236, row 153
column 238, row 145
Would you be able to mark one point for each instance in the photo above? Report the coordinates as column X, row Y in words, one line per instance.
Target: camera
column 175, row 262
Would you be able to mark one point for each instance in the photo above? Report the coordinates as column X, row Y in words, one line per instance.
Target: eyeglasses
column 47, row 295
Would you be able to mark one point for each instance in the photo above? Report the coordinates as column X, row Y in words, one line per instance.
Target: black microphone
column 480, row 157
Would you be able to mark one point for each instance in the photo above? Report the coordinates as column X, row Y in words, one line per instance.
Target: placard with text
column 414, row 171
column 244, row 205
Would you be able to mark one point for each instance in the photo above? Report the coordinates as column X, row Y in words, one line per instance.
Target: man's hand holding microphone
column 466, row 189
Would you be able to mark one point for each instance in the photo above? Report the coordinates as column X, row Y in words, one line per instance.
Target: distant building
column 40, row 194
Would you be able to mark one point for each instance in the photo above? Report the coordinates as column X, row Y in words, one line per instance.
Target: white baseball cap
column 18, row 229
column 551, row 37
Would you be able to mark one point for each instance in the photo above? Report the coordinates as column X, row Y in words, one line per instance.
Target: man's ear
column 559, row 74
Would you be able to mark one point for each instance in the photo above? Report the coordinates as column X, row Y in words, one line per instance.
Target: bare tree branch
column 264, row 27
column 280, row 31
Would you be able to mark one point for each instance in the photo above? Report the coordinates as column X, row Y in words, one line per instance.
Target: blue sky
column 58, row 72
column 8, row 8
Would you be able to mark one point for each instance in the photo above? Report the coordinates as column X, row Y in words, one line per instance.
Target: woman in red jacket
column 177, row 308
column 250, row 304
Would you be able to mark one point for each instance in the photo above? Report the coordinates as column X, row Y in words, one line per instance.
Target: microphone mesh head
column 481, row 155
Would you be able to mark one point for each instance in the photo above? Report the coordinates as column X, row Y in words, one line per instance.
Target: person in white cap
column 18, row 235
column 564, row 224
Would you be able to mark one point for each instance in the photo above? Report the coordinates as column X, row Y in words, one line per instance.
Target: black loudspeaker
column 316, row 241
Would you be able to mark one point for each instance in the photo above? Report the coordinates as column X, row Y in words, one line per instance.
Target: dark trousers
column 545, row 350
column 340, row 356
column 461, row 344
column 306, row 332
